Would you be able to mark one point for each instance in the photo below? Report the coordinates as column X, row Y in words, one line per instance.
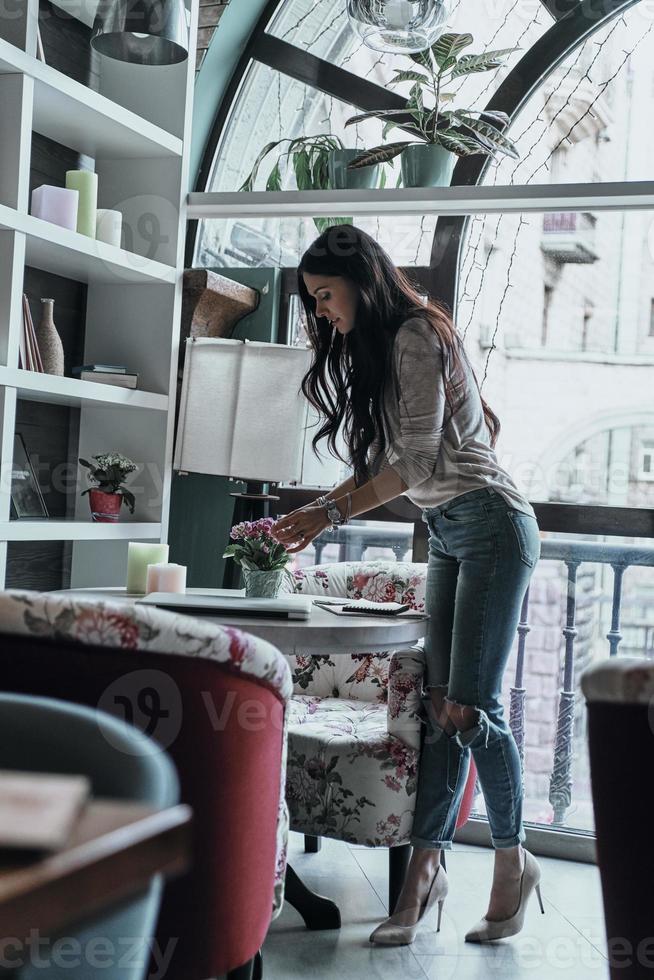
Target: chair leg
column 398, row 862
column 245, row 972
column 312, row 844
column 317, row 911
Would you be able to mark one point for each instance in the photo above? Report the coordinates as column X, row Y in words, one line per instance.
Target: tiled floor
column 567, row 942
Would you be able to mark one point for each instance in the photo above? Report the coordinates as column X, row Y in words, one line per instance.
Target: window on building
column 646, row 464
column 547, row 303
column 586, row 325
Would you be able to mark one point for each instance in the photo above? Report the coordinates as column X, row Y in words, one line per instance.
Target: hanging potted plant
column 262, row 558
column 109, row 472
column 319, row 163
column 440, row 135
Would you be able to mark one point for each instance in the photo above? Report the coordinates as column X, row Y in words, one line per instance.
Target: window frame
column 574, row 23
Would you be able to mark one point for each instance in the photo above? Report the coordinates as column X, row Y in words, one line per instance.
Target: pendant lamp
column 142, row 32
column 398, row 26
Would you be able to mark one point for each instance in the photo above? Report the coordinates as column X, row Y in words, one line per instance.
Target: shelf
column 67, row 253
column 77, row 531
column 54, row 390
column 516, row 199
column 78, row 117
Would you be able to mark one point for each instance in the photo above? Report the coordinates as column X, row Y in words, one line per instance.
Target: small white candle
column 57, row 205
column 166, row 577
column 139, row 556
column 108, row 226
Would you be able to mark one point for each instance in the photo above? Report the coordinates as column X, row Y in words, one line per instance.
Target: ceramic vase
column 51, row 348
column 105, row 507
column 263, row 584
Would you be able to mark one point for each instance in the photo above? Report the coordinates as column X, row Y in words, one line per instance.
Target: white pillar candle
column 166, row 577
column 139, row 556
column 86, row 182
column 108, row 226
column 56, row 204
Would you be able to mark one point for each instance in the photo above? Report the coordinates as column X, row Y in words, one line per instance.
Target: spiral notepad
column 376, row 608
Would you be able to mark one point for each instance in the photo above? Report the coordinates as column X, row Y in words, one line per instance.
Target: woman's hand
column 298, row 529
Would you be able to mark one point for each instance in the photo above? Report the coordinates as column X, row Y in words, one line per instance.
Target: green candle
column 86, row 183
column 139, row 556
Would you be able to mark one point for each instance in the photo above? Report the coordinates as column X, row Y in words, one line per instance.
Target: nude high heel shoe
column 388, row 933
column 487, row 929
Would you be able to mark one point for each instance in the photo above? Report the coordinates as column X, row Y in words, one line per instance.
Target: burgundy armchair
column 215, row 698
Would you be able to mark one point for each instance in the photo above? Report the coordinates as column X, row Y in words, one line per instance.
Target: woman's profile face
column 336, row 299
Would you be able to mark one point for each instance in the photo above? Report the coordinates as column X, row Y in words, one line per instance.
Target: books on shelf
column 29, row 357
column 39, row 810
column 106, row 368
column 107, row 374
column 109, row 378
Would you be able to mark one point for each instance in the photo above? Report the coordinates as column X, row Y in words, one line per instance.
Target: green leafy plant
column 309, row 158
column 108, row 473
column 462, row 131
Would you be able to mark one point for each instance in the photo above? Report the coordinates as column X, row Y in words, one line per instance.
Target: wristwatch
column 334, row 515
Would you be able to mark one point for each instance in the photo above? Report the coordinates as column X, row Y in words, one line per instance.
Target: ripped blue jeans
column 482, row 553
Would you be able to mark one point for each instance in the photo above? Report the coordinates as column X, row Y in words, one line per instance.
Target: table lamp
column 242, row 415
column 143, row 32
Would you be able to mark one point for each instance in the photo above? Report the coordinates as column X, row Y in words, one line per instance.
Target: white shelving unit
column 137, row 130
column 458, row 200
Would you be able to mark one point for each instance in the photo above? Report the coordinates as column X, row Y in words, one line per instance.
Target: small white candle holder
column 109, row 226
column 58, row 205
column 166, row 577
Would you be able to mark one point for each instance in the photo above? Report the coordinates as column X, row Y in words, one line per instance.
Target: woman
column 391, row 371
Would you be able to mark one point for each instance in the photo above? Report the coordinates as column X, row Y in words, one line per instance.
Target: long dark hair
column 348, row 373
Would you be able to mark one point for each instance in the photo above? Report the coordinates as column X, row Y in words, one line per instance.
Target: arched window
column 555, row 307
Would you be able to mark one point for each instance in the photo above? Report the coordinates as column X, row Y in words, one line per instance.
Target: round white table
column 322, row 633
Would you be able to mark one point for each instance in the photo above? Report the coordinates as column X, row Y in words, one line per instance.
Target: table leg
column 317, row 911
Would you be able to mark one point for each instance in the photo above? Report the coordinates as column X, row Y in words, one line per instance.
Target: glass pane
column 360, row 540
column 555, row 313
column 585, row 122
column 555, row 310
column 322, row 28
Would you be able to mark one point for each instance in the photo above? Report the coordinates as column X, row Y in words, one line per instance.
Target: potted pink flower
column 262, row 558
column 108, row 472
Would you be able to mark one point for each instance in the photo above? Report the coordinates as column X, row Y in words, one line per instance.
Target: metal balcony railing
column 353, row 541
column 572, row 554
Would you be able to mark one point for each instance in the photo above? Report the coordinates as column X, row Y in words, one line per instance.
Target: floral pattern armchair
column 354, row 719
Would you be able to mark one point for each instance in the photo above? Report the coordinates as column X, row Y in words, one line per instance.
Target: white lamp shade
column 242, row 412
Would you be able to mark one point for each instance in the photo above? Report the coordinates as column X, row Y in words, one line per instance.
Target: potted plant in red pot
column 108, row 472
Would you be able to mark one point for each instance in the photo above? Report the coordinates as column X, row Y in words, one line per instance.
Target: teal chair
column 44, row 735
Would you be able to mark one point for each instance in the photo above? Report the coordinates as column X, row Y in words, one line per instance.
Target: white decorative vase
column 51, row 348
